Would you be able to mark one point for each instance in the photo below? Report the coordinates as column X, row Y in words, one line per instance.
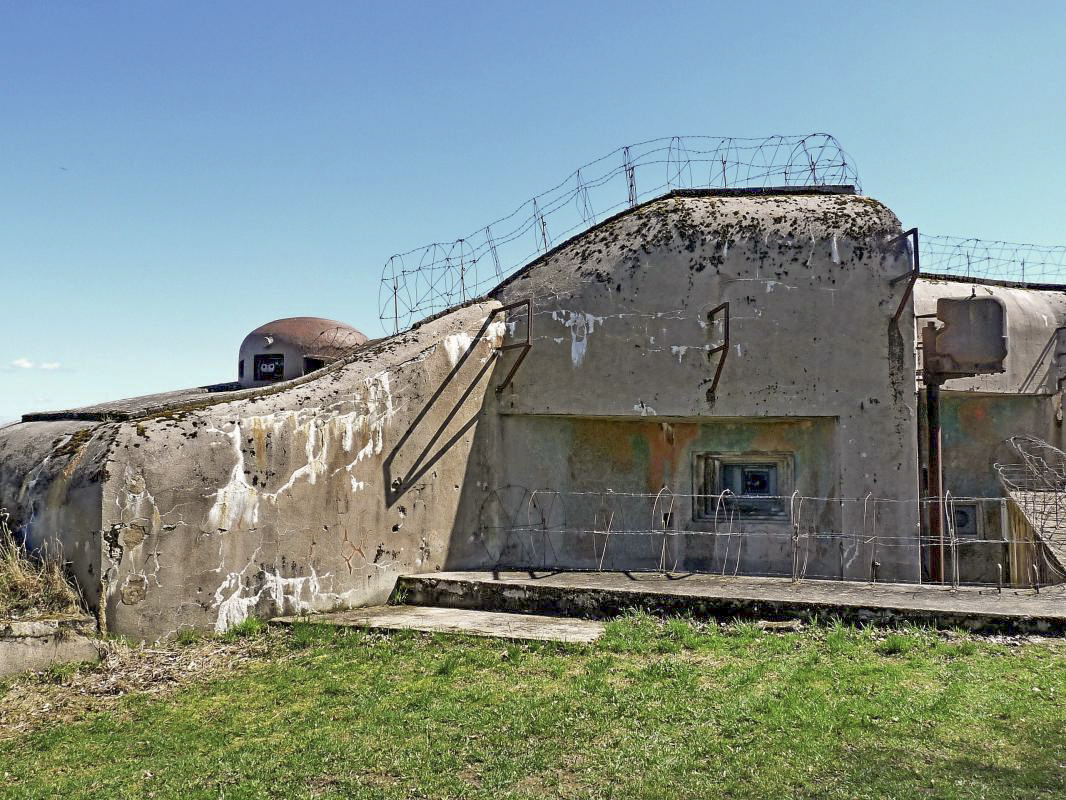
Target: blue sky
column 173, row 174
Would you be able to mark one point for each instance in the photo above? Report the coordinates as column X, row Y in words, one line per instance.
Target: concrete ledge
column 605, row 594
column 39, row 644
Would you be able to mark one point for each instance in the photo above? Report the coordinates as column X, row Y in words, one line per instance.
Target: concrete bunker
column 714, row 381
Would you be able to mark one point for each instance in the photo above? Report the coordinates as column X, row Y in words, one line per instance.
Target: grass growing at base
column 251, row 626
column 31, row 586
column 655, row 709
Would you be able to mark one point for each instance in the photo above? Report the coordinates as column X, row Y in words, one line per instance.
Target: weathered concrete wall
column 50, row 481
column 1032, row 318
column 978, row 414
column 974, row 427
column 974, row 430
column 621, row 331
column 318, row 493
column 309, row 498
column 585, row 474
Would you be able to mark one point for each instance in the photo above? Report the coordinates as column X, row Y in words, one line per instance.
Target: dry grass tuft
column 32, row 586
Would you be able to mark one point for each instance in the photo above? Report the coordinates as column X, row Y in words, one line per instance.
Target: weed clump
column 188, row 636
column 32, row 585
column 245, row 629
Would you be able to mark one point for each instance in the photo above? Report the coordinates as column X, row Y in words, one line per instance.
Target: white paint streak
column 286, row 596
column 768, row 282
column 581, row 326
column 237, row 503
column 497, row 330
column 455, row 345
column 644, row 409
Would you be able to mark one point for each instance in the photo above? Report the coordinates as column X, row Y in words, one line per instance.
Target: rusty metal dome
column 315, row 336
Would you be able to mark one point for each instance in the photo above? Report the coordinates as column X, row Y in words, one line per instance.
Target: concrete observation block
column 755, row 347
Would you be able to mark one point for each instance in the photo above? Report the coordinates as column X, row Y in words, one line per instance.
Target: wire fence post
column 631, row 176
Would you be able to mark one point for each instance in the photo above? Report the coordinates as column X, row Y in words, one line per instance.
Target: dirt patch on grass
column 70, row 692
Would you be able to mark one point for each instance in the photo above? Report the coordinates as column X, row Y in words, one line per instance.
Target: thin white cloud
column 22, row 363
column 50, row 365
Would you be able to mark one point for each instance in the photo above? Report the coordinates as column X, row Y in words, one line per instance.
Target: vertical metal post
column 395, row 306
column 462, row 273
column 936, row 481
column 1004, row 521
column 492, row 249
column 631, row 176
column 795, row 551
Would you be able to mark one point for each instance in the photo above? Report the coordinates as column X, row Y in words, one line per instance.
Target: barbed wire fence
column 803, row 537
column 334, row 342
column 438, row 276
column 991, row 260
column 1036, row 482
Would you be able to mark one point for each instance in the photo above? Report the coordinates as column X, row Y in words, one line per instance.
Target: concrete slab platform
column 527, row 627
column 604, row 594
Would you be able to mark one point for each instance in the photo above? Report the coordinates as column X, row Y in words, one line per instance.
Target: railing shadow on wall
column 431, row 452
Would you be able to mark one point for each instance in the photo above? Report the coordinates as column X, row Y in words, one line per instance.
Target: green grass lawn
column 654, row 710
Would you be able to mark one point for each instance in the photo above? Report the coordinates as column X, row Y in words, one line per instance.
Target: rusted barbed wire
column 1036, row 482
column 428, row 279
column 533, row 524
column 439, row 275
column 991, row 260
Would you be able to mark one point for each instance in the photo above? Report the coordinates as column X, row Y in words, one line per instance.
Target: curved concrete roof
column 690, row 219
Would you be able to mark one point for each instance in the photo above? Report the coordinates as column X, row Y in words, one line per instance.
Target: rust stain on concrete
column 668, row 442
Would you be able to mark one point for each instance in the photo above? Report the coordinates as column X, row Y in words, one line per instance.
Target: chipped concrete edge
column 29, row 645
column 604, row 603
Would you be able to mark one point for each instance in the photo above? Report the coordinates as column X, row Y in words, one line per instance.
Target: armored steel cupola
column 291, row 347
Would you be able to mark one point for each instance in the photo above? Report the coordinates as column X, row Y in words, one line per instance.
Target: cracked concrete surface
column 527, row 627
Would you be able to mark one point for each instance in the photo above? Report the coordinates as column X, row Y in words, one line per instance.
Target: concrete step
column 430, row 619
column 606, row 594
